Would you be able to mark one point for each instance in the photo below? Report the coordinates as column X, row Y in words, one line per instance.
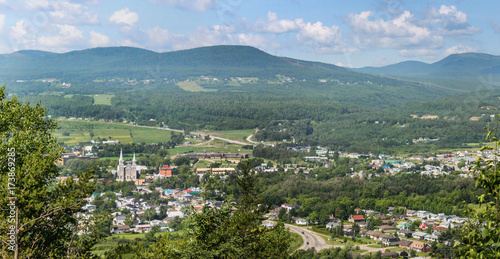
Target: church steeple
column 120, row 162
column 133, row 159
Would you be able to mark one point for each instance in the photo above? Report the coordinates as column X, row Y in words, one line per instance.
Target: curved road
column 310, row 237
column 319, row 242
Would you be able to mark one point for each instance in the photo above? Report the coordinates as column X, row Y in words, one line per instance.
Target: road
column 319, row 242
column 310, row 237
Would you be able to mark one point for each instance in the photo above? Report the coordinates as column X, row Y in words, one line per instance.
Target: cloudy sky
column 343, row 32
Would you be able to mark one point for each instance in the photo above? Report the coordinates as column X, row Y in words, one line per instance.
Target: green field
column 240, row 135
column 192, row 86
column 212, row 147
column 104, row 99
column 79, row 131
column 116, row 239
column 477, row 208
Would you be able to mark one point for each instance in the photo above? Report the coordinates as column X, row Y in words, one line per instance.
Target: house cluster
column 443, row 163
column 179, row 203
column 395, row 229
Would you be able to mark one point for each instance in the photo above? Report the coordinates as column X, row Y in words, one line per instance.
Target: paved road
column 310, row 237
column 319, row 243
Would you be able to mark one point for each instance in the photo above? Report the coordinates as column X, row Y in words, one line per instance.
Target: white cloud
column 197, row 5
column 206, row 36
column 130, row 43
column 99, row 39
column 157, row 37
column 457, row 49
column 340, row 64
column 124, row 16
column 2, row 21
column 274, row 25
column 403, row 31
column 64, row 11
column 22, row 36
column 254, row 40
column 66, row 35
column 451, row 22
column 318, row 32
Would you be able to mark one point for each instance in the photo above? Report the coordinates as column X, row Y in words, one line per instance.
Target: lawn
column 297, row 241
column 104, row 99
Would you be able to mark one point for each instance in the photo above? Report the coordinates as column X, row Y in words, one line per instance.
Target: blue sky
column 348, row 33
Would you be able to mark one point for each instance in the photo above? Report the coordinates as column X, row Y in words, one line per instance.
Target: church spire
column 133, row 159
column 121, row 157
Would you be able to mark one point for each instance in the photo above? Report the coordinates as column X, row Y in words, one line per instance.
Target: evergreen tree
column 42, row 216
column 481, row 234
column 229, row 232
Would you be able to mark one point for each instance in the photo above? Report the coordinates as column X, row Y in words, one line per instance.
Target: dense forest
column 351, row 118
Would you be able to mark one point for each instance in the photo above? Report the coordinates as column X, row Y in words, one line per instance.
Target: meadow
column 72, row 132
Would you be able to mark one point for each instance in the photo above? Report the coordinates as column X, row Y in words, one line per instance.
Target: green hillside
column 471, row 67
column 128, row 62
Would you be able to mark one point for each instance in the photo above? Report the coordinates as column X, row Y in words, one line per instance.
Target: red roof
column 358, row 217
column 439, row 228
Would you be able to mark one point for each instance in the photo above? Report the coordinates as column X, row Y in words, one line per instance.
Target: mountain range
column 455, row 72
column 465, row 66
column 223, row 61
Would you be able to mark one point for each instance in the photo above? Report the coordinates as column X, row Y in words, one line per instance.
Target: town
column 148, row 205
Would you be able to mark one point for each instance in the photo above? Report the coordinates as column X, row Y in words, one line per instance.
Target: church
column 126, row 172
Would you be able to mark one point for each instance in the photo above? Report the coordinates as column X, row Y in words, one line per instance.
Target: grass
column 79, row 131
column 234, row 134
column 477, row 208
column 206, row 163
column 297, row 241
column 113, row 241
column 212, row 147
column 104, row 99
column 192, row 86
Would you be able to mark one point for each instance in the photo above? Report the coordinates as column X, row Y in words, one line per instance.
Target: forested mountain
column 465, row 66
column 128, row 62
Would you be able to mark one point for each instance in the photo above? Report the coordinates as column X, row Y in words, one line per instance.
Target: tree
column 369, row 225
column 228, row 233
column 356, row 229
column 150, row 236
column 481, row 234
column 42, row 219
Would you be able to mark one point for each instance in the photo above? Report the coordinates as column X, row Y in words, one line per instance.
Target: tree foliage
column 229, row 232
column 481, row 235
column 47, row 223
